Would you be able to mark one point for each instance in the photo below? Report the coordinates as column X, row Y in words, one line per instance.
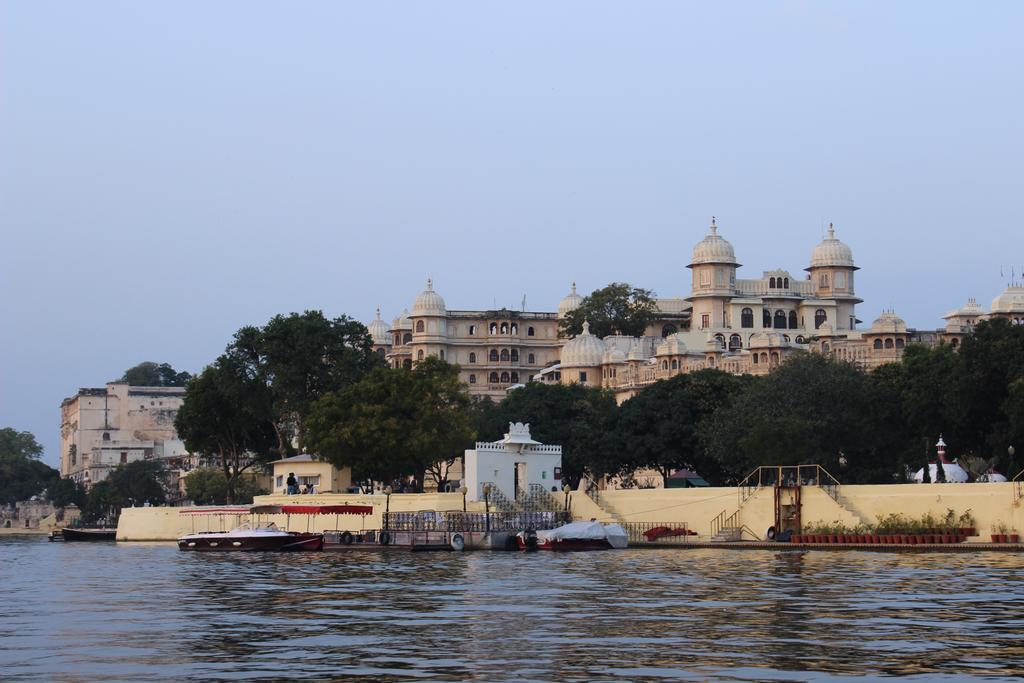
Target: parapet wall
column 696, row 507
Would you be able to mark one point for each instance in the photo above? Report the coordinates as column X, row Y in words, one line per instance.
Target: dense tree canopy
column 150, row 374
column 395, row 423
column 300, row 358
column 209, row 486
column 22, row 475
column 134, row 484
column 618, row 308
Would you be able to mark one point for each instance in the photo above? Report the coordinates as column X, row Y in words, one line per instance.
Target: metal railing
column 474, row 521
column 1018, row 487
column 658, row 532
column 496, row 499
column 537, row 499
column 788, row 475
column 722, row 521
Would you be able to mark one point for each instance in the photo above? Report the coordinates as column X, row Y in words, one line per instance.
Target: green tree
column 618, row 308
column 394, row 423
column 580, row 419
column 227, row 416
column 658, row 428
column 133, row 484
column 300, row 358
column 810, row 410
column 64, row 492
column 150, row 374
column 22, row 475
column 209, row 486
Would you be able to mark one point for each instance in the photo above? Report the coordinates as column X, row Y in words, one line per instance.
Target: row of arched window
column 403, row 338
column 887, row 344
column 494, row 328
column 778, row 283
column 781, row 320
column 505, row 355
column 495, row 378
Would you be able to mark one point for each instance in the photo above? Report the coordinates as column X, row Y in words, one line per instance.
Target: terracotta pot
column 833, row 538
column 874, row 538
column 999, row 538
column 1013, row 538
column 921, row 538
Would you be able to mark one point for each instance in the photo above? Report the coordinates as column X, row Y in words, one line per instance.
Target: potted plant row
column 1001, row 533
column 894, row 529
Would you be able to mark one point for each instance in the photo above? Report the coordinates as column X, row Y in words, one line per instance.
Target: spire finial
column 586, row 327
column 430, row 284
column 378, row 313
column 714, row 226
column 831, row 232
column 573, row 286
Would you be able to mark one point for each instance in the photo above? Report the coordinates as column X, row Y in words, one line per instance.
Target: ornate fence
column 474, row 521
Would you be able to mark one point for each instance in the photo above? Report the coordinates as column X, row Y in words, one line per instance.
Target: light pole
column 566, row 489
column 387, row 505
column 463, row 490
column 487, row 508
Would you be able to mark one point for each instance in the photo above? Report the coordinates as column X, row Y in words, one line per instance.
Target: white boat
column 244, row 538
column 575, row 536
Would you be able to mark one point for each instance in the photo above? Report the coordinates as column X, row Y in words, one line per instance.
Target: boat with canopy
column 253, row 536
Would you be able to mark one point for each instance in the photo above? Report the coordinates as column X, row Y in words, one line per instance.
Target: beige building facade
column 738, row 325
column 101, row 428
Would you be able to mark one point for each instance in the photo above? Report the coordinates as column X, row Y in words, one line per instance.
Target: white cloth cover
column 613, row 533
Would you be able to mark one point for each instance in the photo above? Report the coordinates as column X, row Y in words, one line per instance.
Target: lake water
column 99, row 612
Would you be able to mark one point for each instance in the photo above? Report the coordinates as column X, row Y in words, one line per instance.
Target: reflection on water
column 132, row 611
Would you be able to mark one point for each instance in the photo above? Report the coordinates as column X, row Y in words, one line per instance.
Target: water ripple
column 84, row 612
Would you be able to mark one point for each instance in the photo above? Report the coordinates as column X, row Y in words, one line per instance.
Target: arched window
column 792, row 320
column 899, row 343
column 419, row 355
column 819, row 318
column 494, row 355
column 380, row 351
column 800, row 339
column 472, row 379
column 720, row 338
column 515, row 328
column 824, row 347
column 494, row 378
column 419, row 325
column 888, row 343
column 877, row 344
column 955, row 343
column 785, row 283
column 775, row 358
column 504, row 378
column 531, row 359
column 824, row 280
column 504, row 328
column 441, row 354
column 515, row 377
column 504, row 354
column 764, row 357
column 407, row 363
column 766, row 318
column 515, row 355
column 771, row 283
column 780, row 320
column 529, row 331
column 785, row 338
column 472, row 330
column 755, row 359
column 735, row 342
column 472, row 357
column 667, row 330
column 675, row 364
column 494, row 328
column 398, row 339
column 406, row 338
column 664, row 364
column 747, row 317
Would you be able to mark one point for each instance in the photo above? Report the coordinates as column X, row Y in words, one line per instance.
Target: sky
column 172, row 171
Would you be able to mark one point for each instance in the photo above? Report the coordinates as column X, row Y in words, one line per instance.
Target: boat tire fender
column 346, row 538
column 384, row 538
column 458, row 542
column 770, row 534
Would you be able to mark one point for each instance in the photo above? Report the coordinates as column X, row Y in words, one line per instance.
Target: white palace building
column 733, row 324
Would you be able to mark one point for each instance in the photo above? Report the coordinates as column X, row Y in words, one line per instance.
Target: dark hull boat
column 252, row 540
column 86, row 534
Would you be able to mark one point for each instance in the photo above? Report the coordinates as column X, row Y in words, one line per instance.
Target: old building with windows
column 738, row 325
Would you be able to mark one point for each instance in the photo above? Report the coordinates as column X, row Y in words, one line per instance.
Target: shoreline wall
column 696, row 507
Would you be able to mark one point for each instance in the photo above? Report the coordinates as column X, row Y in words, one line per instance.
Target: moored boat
column 69, row 533
column 259, row 539
column 575, row 536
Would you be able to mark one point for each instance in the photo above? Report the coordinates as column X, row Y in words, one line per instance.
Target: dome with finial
column 583, row 351
column 831, row 252
column 379, row 330
column 403, row 321
column 713, row 249
column 1010, row 301
column 570, row 302
column 889, row 323
column 428, row 302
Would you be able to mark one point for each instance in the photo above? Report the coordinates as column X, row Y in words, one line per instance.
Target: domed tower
column 429, row 325
column 714, row 281
column 582, row 357
column 831, row 272
column 380, row 334
column 570, row 302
